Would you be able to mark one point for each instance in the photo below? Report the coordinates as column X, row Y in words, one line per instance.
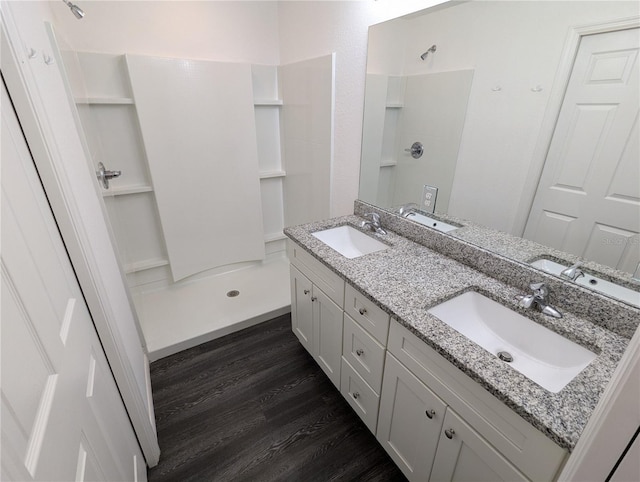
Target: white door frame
column 565, row 67
column 67, row 179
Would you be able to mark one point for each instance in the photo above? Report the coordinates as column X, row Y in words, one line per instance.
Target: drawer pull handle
column 430, row 413
column 362, row 311
column 449, row 433
column 356, row 395
column 306, row 292
column 313, row 298
column 359, row 352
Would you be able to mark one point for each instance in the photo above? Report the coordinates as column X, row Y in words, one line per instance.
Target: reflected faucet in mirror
column 572, row 272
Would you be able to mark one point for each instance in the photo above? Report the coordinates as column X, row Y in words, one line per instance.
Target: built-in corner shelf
column 267, row 102
column 104, row 100
column 145, row 264
column 125, row 190
column 272, row 174
column 388, row 163
column 394, row 105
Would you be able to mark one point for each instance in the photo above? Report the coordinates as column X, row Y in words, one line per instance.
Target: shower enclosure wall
column 283, row 164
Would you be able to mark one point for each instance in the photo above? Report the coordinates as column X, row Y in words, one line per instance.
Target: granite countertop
column 407, row 278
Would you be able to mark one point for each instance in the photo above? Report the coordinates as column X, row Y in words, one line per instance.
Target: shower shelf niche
column 126, row 190
column 267, row 102
column 104, row 100
column 272, row 174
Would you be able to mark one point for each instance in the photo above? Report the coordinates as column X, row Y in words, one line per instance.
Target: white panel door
column 62, row 415
column 588, row 198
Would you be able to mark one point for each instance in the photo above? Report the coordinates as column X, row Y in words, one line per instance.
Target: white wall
column 260, row 32
column 226, row 31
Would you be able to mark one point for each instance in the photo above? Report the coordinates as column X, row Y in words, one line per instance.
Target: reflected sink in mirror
column 597, row 284
column 349, row 242
column 543, row 356
column 431, row 222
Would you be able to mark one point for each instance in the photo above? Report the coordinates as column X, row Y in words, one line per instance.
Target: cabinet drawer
column 319, row 274
column 363, row 353
column 367, row 314
column 360, row 396
column 538, row 457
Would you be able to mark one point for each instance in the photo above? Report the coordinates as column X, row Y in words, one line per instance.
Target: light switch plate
column 429, row 195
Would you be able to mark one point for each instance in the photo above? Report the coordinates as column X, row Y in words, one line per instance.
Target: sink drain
column 505, row 356
column 233, row 293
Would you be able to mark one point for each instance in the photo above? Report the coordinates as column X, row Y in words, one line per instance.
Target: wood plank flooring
column 254, row 406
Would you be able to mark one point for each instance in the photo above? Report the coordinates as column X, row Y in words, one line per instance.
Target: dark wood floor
column 255, row 406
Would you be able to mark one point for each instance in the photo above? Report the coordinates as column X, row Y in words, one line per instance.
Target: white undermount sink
column 540, row 354
column 349, row 242
column 598, row 284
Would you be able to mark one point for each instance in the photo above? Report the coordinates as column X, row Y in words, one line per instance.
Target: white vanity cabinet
column 472, row 435
column 435, row 422
column 317, row 296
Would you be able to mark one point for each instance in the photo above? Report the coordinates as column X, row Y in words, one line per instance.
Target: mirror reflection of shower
column 77, row 11
column 431, row 49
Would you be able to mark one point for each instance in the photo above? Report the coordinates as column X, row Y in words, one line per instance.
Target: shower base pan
column 184, row 315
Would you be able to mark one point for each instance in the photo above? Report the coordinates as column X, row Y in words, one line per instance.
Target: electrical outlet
column 429, row 195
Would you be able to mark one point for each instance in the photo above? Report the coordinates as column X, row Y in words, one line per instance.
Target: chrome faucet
column 573, row 272
column 538, row 300
column 407, row 209
column 374, row 224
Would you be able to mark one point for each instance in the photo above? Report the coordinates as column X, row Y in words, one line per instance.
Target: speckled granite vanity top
column 407, row 278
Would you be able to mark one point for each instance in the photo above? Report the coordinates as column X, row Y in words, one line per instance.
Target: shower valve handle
column 103, row 175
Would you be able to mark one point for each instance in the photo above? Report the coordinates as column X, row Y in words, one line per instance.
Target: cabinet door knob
column 359, row 351
column 430, row 413
column 449, row 433
column 356, row 395
column 306, row 292
column 362, row 311
column 313, row 298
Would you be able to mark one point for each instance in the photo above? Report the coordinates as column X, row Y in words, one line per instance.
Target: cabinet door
column 327, row 335
column 463, row 455
column 301, row 309
column 410, row 420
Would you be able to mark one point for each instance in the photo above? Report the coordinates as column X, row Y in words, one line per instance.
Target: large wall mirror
column 527, row 112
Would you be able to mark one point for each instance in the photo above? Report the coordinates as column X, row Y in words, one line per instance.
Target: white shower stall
column 216, row 159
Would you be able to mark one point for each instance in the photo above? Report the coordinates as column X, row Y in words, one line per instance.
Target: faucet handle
column 375, row 217
column 539, row 289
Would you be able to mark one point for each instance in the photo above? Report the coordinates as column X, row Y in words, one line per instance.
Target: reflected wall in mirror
column 506, row 152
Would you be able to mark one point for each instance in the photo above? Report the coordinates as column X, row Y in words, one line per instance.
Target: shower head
column 431, row 49
column 77, row 11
